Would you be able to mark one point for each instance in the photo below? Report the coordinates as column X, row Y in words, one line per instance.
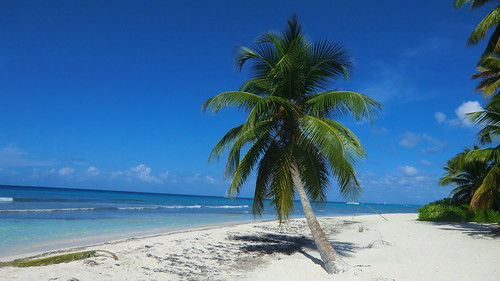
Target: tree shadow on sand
column 266, row 244
column 472, row 229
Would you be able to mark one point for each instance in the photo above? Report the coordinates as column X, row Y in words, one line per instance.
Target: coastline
column 100, row 240
column 374, row 249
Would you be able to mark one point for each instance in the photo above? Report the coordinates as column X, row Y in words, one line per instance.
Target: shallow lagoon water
column 36, row 219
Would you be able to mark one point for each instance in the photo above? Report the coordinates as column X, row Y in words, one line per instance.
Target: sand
column 371, row 247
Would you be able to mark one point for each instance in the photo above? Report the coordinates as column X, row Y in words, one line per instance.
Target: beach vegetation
column 467, row 177
column 65, row 258
column 484, row 163
column 486, row 188
column 289, row 137
column 448, row 210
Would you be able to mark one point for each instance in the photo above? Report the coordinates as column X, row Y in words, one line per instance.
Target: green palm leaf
column 474, row 3
column 338, row 103
column 238, row 99
column 491, row 20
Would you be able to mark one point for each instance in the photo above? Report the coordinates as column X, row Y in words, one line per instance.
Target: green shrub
column 447, row 211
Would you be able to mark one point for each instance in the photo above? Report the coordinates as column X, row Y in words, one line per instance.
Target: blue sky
column 107, row 94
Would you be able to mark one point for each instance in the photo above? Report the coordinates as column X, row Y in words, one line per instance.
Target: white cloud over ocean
column 140, row 173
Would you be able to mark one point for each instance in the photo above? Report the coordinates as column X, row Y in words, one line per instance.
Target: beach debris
column 56, row 259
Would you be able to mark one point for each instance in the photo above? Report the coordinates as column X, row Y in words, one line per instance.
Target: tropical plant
column 488, row 192
column 489, row 72
column 466, row 178
column 492, row 20
column 450, row 211
column 289, row 138
column 489, row 120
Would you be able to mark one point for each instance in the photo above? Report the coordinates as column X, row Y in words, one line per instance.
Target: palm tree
column 289, row 138
column 467, row 178
column 489, row 69
column 492, row 20
column 489, row 119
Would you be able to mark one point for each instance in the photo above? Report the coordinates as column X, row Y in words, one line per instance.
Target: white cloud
column 408, row 170
column 461, row 113
column 141, row 173
column 425, row 163
column 467, row 107
column 64, row 172
column 92, row 171
column 11, row 150
column 197, row 178
column 165, row 175
column 380, row 131
column 436, row 145
column 440, row 117
column 410, row 139
column 11, row 156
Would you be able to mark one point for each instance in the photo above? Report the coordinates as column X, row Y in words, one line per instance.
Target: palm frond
column 227, row 140
column 327, row 61
column 313, row 170
column 339, row 103
column 489, row 118
column 493, row 46
column 474, row 3
column 245, row 166
column 248, row 135
column 485, row 195
column 264, row 175
column 491, row 20
column 281, row 190
column 477, row 155
column 340, row 147
column 56, row 259
column 267, row 108
column 237, row 99
column 246, row 54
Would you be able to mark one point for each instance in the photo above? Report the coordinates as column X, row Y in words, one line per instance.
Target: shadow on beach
column 266, row 244
column 472, row 229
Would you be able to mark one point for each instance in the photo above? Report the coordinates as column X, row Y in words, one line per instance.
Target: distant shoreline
column 189, row 195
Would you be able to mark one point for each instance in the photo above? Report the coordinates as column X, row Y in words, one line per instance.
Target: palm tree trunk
column 325, row 249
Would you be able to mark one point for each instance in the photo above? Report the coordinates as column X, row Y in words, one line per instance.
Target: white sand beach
column 373, row 249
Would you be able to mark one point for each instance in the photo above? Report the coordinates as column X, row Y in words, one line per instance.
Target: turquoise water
column 38, row 219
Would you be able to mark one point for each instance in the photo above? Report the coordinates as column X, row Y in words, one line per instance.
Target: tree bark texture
column 325, row 249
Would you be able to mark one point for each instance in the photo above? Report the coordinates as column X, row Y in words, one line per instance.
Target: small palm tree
column 289, row 138
column 489, row 119
column 492, row 20
column 467, row 178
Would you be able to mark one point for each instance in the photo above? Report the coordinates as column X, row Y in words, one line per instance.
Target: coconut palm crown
column 467, row 178
column 288, row 124
column 289, row 138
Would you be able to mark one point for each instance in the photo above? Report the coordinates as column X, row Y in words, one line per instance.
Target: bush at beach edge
column 446, row 210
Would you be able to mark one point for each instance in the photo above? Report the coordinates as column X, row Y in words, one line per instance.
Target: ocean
column 34, row 219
